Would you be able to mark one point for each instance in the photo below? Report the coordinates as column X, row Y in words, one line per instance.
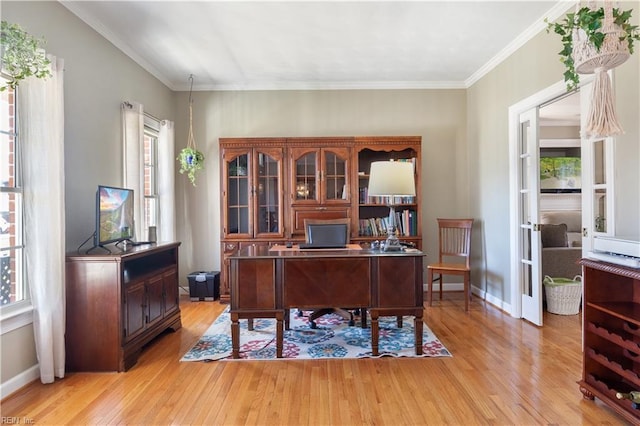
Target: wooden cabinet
column 117, row 303
column 611, row 327
column 252, row 181
column 319, row 180
column 271, row 185
column 252, row 191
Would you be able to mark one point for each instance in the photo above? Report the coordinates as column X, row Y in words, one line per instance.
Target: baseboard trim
column 500, row 304
column 19, row 381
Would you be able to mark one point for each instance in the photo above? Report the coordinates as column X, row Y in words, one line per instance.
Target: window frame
column 18, row 313
column 150, row 142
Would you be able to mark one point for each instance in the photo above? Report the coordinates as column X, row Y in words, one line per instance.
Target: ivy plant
column 191, row 160
column 21, row 56
column 591, row 22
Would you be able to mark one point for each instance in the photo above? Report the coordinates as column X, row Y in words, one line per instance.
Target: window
column 151, row 133
column 12, row 282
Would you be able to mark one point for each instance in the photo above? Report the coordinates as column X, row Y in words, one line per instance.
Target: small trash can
column 563, row 294
column 204, row 285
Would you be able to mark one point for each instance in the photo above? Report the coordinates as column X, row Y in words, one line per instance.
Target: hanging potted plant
column 191, row 160
column 21, row 55
column 595, row 40
column 585, row 33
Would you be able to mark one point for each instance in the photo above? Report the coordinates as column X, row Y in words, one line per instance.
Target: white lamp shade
column 391, row 178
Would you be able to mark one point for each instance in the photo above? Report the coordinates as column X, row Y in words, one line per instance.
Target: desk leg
column 235, row 336
column 374, row 332
column 363, row 317
column 417, row 325
column 279, row 333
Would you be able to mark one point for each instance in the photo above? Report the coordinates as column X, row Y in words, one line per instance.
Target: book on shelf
column 406, row 225
column 364, row 198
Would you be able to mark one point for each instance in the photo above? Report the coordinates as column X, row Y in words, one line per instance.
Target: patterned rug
column 333, row 338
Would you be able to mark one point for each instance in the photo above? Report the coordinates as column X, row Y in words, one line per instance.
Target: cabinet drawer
column 299, row 214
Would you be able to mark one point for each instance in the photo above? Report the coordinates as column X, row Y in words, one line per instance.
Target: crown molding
column 558, row 10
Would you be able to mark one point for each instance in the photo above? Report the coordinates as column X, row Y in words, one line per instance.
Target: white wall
column 98, row 78
column 531, row 69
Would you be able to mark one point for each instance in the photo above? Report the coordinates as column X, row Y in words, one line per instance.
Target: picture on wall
column 560, row 174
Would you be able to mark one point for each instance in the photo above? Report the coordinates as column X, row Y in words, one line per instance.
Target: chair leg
column 467, row 291
column 441, row 281
column 430, row 285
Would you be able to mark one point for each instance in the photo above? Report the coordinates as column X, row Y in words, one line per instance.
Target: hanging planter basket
column 596, row 40
column 191, row 160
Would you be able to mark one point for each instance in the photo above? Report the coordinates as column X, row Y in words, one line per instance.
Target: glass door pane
column 268, row 194
column 306, row 184
column 529, row 235
column 238, row 195
column 335, row 177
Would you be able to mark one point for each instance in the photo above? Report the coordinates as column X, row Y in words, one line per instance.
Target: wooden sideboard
column 271, row 185
column 611, row 327
column 117, row 303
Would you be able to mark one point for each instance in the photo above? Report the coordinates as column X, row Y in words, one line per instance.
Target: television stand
column 117, row 303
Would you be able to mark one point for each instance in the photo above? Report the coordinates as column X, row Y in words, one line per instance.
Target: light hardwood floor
column 504, row 371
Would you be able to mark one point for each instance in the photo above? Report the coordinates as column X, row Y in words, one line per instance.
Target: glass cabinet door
column 334, row 176
column 237, row 193
column 269, row 192
column 321, row 175
column 305, row 176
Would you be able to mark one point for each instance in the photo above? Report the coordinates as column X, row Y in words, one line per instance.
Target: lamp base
column 392, row 243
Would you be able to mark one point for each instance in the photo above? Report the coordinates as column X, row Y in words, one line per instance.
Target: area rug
column 333, row 338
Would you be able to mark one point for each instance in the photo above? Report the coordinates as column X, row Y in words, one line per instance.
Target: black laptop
column 326, row 236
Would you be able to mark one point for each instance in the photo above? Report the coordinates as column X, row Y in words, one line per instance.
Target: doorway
column 543, row 126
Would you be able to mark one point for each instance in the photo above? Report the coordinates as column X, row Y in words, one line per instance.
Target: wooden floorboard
column 504, row 371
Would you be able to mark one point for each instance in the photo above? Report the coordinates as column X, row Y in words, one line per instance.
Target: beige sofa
column 563, row 246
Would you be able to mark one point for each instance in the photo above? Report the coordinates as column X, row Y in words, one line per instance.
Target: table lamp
column 391, row 179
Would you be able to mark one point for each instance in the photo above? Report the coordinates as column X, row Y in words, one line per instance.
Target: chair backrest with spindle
column 455, row 239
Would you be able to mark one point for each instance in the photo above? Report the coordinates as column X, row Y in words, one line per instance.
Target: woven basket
column 563, row 295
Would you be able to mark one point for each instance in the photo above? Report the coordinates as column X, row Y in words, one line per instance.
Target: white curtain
column 41, row 133
column 166, row 181
column 133, row 161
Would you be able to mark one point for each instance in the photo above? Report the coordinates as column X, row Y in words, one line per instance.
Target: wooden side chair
column 454, row 255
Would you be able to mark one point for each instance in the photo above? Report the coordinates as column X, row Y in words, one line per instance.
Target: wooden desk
column 266, row 284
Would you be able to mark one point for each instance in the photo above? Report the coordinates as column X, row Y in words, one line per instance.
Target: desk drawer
column 326, row 282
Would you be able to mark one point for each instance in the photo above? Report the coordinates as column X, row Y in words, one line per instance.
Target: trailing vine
column 591, row 22
column 22, row 55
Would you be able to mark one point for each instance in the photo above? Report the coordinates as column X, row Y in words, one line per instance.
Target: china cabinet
column 271, row 185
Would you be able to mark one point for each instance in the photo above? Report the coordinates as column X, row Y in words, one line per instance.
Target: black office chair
column 332, row 231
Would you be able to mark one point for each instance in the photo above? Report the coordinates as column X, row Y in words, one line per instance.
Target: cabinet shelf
column 614, row 366
column 399, row 205
column 627, row 311
column 622, row 339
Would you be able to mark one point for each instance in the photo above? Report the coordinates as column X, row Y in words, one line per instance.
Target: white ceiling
column 254, row 45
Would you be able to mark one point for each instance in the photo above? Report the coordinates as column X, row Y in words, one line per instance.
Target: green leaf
column 22, row 55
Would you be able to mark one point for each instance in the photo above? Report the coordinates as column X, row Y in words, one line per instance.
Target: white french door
column 528, row 208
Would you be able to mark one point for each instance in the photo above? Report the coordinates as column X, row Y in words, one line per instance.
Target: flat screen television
column 114, row 215
column 560, row 174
